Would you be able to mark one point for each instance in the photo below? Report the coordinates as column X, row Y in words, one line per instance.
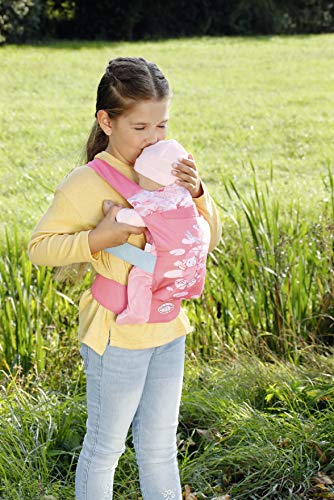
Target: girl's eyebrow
column 143, row 123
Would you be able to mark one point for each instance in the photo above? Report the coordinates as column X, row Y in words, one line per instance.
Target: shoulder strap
column 117, row 180
column 126, row 188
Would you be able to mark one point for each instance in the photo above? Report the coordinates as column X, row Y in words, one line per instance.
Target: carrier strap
column 126, row 187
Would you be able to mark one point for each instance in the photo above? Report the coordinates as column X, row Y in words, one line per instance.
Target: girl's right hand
column 110, row 233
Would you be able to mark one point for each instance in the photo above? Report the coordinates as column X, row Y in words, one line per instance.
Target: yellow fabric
column 61, row 238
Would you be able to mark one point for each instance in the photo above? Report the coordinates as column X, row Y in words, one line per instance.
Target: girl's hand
column 109, row 232
column 187, row 175
column 107, row 205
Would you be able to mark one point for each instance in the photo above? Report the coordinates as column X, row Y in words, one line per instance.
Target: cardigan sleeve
column 206, row 206
column 61, row 238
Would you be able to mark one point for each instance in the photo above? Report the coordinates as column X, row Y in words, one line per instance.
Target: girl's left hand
column 187, row 175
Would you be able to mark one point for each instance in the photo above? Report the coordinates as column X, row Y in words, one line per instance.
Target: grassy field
column 257, row 414
column 249, row 429
column 267, row 100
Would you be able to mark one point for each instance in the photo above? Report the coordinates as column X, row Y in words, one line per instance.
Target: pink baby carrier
column 181, row 238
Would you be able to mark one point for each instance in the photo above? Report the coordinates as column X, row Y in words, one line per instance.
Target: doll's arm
column 125, row 215
column 130, row 216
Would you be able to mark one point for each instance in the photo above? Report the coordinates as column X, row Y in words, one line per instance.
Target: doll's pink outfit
column 179, row 237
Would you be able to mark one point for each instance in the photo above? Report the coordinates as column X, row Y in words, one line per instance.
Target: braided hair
column 126, row 81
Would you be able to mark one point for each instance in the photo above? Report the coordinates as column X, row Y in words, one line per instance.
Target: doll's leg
column 139, row 298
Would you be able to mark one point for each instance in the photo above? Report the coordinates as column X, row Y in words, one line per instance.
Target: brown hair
column 126, row 81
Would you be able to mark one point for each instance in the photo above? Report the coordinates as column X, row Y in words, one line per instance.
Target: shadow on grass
column 76, row 44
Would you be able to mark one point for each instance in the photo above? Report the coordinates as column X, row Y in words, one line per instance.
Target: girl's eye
column 159, row 126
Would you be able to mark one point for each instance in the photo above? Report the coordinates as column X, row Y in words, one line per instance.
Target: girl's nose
column 152, row 139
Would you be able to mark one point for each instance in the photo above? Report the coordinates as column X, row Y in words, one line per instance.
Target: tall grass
column 269, row 289
column 250, row 429
column 33, row 312
column 41, row 433
column 270, row 284
column 257, row 430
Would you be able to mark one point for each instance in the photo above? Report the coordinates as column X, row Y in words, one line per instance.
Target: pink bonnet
column 155, row 162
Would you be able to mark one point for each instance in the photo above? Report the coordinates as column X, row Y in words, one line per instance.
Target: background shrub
column 23, row 20
column 20, row 20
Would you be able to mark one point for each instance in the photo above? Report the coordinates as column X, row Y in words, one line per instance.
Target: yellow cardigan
column 61, row 238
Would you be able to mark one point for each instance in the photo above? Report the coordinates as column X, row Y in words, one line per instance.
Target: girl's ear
column 104, row 121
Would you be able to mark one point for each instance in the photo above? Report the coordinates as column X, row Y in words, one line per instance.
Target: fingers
column 106, row 206
column 188, row 176
column 112, row 212
column 134, row 229
column 185, row 167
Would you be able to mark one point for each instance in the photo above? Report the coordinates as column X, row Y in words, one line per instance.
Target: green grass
column 251, row 429
column 256, row 425
column 266, row 99
column 269, row 288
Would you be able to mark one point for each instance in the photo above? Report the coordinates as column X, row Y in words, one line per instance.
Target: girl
column 134, row 372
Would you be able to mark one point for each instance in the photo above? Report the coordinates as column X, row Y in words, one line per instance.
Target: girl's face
column 142, row 126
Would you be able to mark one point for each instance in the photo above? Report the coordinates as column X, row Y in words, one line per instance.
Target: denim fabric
column 138, row 386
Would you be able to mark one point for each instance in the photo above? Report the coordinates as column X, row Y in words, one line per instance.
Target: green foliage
column 33, row 311
column 235, row 439
column 58, row 18
column 41, row 436
column 147, row 19
column 281, row 17
column 270, row 285
column 305, row 16
column 20, row 20
column 247, row 428
column 249, row 17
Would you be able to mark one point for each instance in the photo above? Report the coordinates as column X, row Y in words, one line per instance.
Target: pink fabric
column 139, row 304
column 145, row 202
column 130, row 216
column 107, row 291
column 155, row 162
column 181, row 237
column 166, row 198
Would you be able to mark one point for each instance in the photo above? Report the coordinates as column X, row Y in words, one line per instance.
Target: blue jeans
column 138, row 386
